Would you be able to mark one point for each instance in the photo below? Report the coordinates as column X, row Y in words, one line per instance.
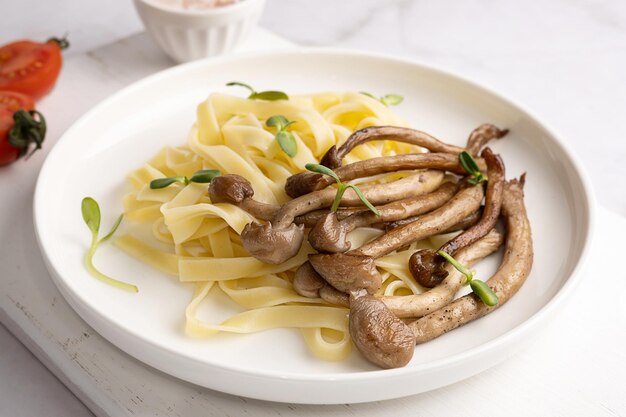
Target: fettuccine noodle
column 198, row 242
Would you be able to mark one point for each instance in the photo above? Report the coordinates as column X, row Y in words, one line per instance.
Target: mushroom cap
column 380, row 336
column 230, row 188
column 331, row 158
column 307, row 282
column 426, row 267
column 347, row 273
column 301, row 183
column 331, row 295
column 328, row 235
column 272, row 245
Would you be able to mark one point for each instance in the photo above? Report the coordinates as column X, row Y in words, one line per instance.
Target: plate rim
column 503, row 340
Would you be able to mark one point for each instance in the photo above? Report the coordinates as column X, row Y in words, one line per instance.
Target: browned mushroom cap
column 418, row 305
column 482, row 135
column 513, row 271
column 305, row 182
column 329, row 234
column 271, row 244
column 380, row 336
column 384, row 164
column 307, row 282
column 237, row 190
column 426, row 266
column 346, row 272
column 331, row 295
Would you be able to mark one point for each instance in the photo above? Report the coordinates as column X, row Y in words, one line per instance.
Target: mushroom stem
column 461, row 205
column 482, row 135
column 334, row 156
column 311, row 218
column 467, row 221
column 425, row 265
column 329, row 234
column 513, row 271
column 383, row 164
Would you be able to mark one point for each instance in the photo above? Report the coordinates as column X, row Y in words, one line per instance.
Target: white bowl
column 187, row 35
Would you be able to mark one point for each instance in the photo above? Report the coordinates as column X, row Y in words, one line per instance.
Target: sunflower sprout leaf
column 91, row 214
column 205, row 176
column 364, row 199
column 166, row 182
column 279, row 121
column 321, row 169
column 391, row 99
column 484, row 292
column 269, row 96
column 287, row 143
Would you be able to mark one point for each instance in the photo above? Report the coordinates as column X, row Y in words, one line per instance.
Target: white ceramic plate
column 121, row 133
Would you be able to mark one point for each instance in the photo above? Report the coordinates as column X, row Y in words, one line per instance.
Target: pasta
column 180, row 232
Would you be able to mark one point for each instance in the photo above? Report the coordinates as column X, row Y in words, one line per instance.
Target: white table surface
column 564, row 59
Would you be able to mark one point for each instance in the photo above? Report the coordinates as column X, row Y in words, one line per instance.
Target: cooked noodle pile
column 199, row 242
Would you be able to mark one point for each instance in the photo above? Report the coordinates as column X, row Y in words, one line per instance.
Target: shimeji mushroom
column 384, row 339
column 280, row 238
column 329, row 234
column 305, row 182
column 332, row 266
column 426, row 266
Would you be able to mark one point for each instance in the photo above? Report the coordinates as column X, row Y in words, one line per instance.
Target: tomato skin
column 29, row 67
column 10, row 102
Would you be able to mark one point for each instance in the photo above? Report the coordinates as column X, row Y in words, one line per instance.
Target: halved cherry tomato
column 20, row 126
column 29, row 67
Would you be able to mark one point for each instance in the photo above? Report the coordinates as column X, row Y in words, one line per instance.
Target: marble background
column 564, row 59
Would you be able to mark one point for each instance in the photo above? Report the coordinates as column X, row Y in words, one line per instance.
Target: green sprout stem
column 99, row 275
column 480, row 288
column 91, row 215
column 469, row 275
column 285, row 139
column 341, row 188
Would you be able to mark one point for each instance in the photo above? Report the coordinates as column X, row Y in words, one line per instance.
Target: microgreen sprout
column 480, row 288
column 471, row 167
column 341, row 187
column 202, row 176
column 262, row 95
column 387, row 99
column 285, row 139
column 91, row 215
